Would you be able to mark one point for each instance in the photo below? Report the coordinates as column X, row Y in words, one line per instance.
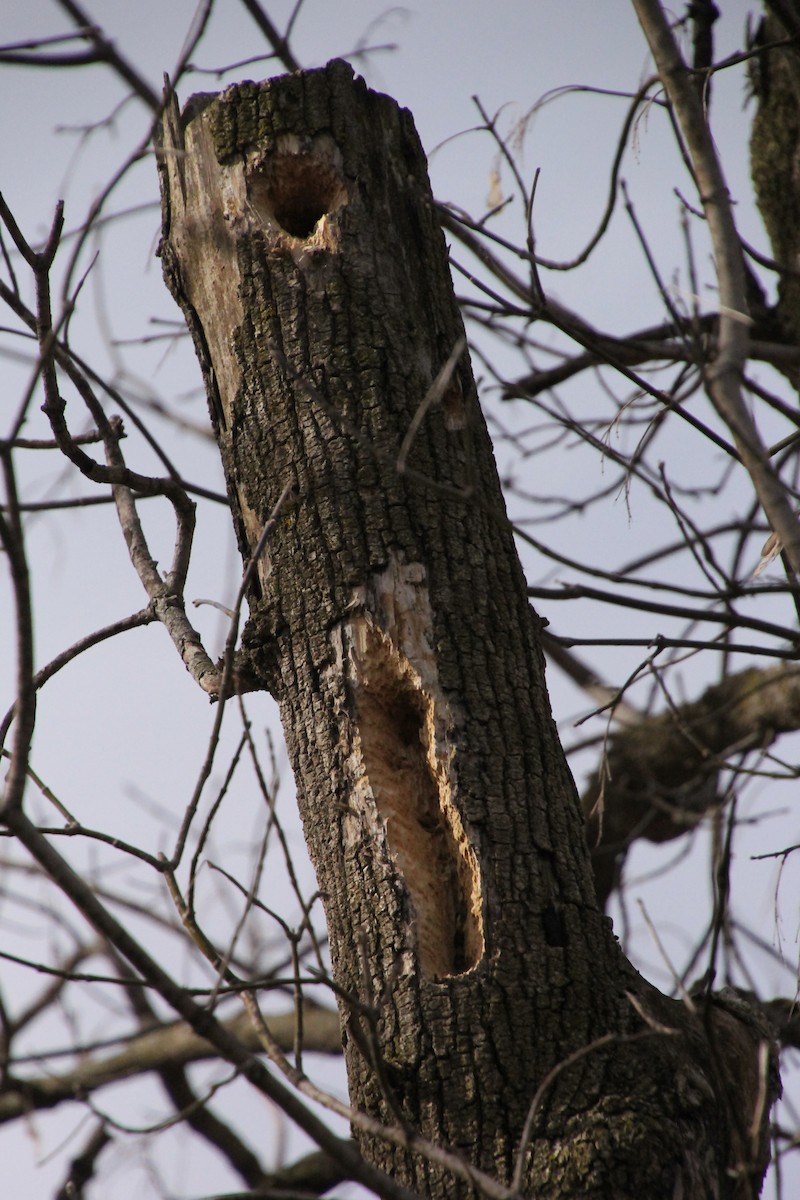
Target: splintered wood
column 404, row 763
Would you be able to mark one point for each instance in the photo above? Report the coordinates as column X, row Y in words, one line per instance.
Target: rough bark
column 775, row 152
column 389, row 617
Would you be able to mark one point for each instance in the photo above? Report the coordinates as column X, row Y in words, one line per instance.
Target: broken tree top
column 303, row 243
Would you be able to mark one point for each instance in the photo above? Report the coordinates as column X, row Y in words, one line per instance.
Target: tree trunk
column 389, row 617
column 775, row 154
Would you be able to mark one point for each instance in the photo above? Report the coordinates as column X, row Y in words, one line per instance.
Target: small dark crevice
column 555, row 931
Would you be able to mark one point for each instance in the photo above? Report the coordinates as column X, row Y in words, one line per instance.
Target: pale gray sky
column 509, row 53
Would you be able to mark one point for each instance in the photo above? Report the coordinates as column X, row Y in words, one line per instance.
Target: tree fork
column 389, row 617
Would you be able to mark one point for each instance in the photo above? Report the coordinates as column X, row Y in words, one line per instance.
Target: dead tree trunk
column 389, row 617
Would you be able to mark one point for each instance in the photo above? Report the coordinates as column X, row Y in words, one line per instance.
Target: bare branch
column 279, row 42
column 106, row 52
column 724, row 376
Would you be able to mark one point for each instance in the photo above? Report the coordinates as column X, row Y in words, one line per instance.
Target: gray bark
column 389, row 617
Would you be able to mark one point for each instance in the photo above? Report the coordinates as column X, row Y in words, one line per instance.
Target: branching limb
column 196, row 1112
column 724, row 376
column 83, row 1167
column 207, row 1026
column 156, row 1049
column 660, row 778
column 105, row 51
column 165, row 592
column 279, row 42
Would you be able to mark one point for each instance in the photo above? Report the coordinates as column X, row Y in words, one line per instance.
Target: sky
column 434, row 58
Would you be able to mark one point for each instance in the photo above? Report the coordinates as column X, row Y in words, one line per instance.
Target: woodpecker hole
column 410, row 783
column 294, row 188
